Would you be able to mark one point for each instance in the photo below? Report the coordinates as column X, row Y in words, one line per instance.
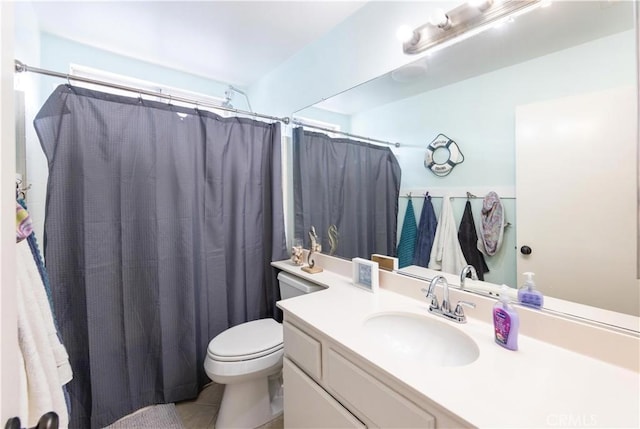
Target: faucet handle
column 459, row 311
column 435, row 305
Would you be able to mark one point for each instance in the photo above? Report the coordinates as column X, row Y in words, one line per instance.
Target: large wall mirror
column 497, row 94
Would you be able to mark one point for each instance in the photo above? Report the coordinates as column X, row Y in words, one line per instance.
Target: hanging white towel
column 446, row 253
column 42, row 354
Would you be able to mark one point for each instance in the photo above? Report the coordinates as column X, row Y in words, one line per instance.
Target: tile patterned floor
column 201, row 413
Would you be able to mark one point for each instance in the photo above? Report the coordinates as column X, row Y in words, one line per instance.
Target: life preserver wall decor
column 455, row 155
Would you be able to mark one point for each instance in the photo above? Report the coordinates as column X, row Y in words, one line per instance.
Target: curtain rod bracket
column 20, row 66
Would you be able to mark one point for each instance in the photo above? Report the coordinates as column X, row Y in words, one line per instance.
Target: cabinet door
column 307, row 405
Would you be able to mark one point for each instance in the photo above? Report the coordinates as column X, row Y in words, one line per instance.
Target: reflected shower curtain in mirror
column 161, row 223
column 349, row 184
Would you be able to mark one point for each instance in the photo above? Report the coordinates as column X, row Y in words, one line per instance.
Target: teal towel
column 408, row 236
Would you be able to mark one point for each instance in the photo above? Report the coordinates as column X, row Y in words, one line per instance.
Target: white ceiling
column 234, row 42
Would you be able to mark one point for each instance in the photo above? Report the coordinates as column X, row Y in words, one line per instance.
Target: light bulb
column 404, row 33
column 440, row 19
column 481, row 5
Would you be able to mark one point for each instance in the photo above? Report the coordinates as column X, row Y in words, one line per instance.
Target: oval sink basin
column 421, row 339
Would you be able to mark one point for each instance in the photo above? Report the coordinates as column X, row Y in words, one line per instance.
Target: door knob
column 525, row 250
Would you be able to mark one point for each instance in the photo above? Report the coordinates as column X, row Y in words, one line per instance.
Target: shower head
column 229, row 95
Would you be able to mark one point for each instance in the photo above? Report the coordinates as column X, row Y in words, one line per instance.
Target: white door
column 9, row 352
column 576, row 184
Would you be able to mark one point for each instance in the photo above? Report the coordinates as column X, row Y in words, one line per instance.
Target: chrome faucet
column 431, row 292
column 444, row 310
column 465, row 271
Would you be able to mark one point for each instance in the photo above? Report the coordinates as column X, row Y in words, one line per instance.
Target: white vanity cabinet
column 326, row 386
column 338, row 375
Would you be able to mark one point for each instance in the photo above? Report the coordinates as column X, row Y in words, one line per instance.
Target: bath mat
column 163, row 416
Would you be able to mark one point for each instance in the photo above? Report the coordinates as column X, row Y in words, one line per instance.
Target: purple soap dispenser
column 505, row 322
column 528, row 294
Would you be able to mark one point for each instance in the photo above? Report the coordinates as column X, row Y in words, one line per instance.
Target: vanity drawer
column 303, row 349
column 307, row 405
column 373, row 399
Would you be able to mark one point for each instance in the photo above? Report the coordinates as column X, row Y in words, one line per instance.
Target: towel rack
column 505, row 192
column 410, row 195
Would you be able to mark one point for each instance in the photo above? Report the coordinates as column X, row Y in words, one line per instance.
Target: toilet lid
column 248, row 340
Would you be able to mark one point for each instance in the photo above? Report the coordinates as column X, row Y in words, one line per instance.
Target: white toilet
column 247, row 359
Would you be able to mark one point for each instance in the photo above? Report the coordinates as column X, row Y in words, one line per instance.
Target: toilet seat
column 244, row 357
column 245, row 351
column 250, row 340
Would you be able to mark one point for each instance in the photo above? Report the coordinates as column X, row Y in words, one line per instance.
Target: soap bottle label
column 502, row 323
column 531, row 299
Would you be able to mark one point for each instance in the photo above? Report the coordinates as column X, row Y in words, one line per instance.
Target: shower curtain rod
column 22, row 67
column 329, row 130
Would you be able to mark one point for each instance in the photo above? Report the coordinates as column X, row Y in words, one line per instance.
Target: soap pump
column 505, row 322
column 528, row 294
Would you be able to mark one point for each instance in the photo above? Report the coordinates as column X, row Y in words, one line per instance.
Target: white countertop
column 540, row 385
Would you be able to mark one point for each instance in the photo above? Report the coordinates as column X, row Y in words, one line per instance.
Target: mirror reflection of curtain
column 350, row 184
column 161, row 225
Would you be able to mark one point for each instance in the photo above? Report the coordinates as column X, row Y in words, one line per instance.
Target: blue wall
column 58, row 53
column 479, row 113
column 344, row 121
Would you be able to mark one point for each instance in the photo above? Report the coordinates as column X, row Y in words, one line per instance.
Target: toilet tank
column 291, row 286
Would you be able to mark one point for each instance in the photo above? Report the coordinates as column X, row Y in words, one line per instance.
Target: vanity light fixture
column 445, row 28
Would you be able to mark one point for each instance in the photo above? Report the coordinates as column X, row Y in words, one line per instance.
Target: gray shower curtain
column 349, row 184
column 161, row 223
